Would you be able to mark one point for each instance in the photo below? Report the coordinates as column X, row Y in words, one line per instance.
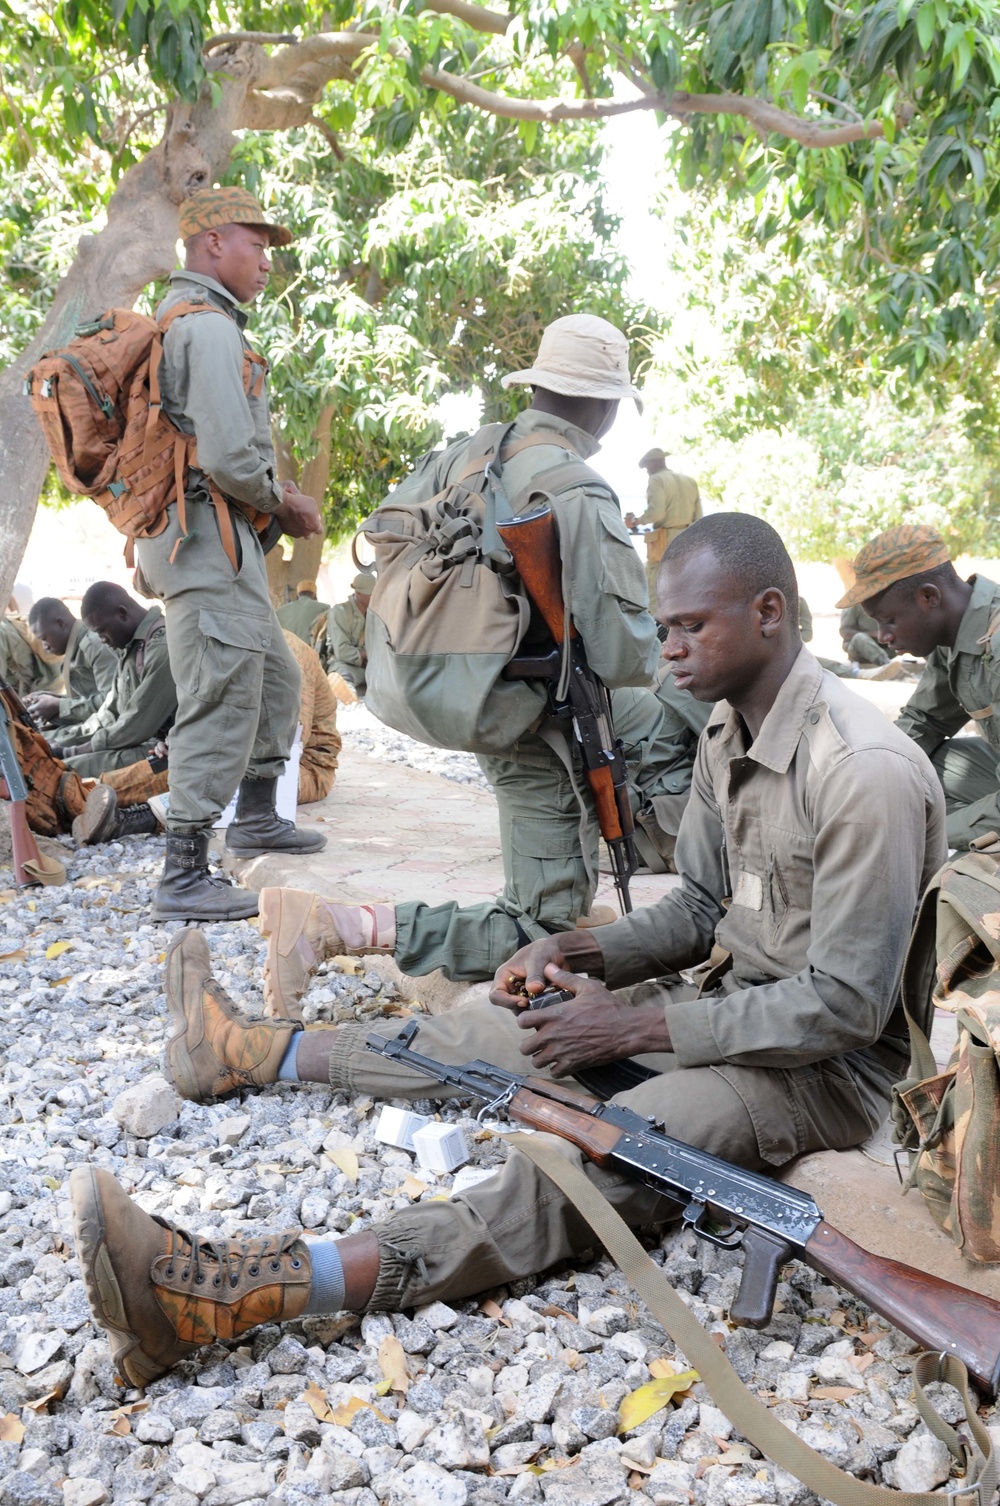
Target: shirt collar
column 974, row 628
column 779, row 736
column 531, row 421
column 219, row 294
column 76, row 632
column 143, row 628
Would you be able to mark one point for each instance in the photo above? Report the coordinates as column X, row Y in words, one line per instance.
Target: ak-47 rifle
column 29, row 864
column 732, row 1208
column 533, row 544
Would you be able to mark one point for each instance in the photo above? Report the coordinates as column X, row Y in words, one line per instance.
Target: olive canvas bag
column 949, row 1121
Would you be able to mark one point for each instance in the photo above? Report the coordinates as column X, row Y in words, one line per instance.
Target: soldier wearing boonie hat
column 346, row 654
column 672, row 503
column 905, row 580
column 237, row 682
column 579, row 376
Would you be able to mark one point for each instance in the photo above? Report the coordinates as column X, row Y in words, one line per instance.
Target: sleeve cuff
column 99, row 741
column 691, row 1038
column 278, row 493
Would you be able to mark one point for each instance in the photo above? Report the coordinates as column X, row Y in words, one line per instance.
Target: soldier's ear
column 771, row 610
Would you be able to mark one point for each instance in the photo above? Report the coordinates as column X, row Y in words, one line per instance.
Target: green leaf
column 926, row 24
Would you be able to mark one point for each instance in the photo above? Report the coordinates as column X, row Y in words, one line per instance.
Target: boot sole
column 263, row 852
column 103, row 1291
column 94, row 825
column 244, row 911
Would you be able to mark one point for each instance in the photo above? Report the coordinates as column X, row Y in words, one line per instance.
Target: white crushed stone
column 490, row 1398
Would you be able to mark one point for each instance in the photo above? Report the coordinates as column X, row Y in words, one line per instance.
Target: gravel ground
column 515, row 1397
column 364, row 733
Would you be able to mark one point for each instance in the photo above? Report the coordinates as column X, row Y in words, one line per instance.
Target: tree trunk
column 283, row 573
column 110, row 271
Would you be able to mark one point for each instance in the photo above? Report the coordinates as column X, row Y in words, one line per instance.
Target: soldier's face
column 54, row 633
column 908, row 621
column 241, row 260
column 112, row 627
column 715, row 645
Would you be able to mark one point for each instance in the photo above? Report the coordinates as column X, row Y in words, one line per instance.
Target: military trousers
column 546, row 887
column 237, row 682
column 864, row 649
column 967, row 769
column 517, row 1222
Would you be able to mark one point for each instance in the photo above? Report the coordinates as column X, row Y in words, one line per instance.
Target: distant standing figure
column 301, row 615
column 88, row 665
column 345, row 633
column 672, row 502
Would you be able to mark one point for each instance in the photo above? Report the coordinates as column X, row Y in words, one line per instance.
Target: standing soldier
column 237, row 683
column 672, row 502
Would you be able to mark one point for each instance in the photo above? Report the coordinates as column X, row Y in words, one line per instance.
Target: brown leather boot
column 303, row 930
column 214, row 1050
column 161, row 1293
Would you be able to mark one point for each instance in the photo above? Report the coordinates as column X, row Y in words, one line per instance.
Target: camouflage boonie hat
column 210, row 208
column 910, row 549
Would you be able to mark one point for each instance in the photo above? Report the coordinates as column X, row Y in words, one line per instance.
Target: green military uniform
column 805, row 620
column 301, row 616
column 859, row 635
column 958, row 685
column 88, row 669
column 20, row 665
column 345, row 640
column 794, row 1048
column 659, row 729
column 548, row 886
column 138, row 711
column 672, row 502
column 237, row 682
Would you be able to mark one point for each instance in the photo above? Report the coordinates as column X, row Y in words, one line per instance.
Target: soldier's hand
column 524, row 975
column 593, row 1027
column 299, row 515
column 630, row 520
column 45, row 707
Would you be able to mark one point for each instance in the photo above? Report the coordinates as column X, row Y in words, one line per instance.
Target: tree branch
column 295, row 77
column 232, row 38
column 475, row 16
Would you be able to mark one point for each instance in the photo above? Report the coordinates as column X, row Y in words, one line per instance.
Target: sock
column 288, row 1071
column 326, row 1294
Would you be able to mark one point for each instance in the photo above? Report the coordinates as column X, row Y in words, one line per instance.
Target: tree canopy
column 456, row 145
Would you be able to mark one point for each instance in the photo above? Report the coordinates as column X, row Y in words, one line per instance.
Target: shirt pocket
column 622, row 572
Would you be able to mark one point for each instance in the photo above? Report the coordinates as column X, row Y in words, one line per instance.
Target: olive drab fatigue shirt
column 962, row 684
column 345, row 638
column 142, row 702
column 202, row 374
column 672, row 502
column 783, row 842
column 23, row 668
column 301, row 616
column 88, row 668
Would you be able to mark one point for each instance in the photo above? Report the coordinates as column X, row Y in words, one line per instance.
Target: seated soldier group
column 762, row 991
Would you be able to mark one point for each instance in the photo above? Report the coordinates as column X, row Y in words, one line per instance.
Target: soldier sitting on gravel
column 88, row 665
column 805, row 801
column 141, row 705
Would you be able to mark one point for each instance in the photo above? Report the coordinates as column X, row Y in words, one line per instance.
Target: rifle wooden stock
column 602, row 785
column 534, row 547
column 938, row 1315
column 595, row 1137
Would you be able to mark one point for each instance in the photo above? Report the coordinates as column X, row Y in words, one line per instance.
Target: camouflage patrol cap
column 910, row 549
column 656, row 456
column 211, row 208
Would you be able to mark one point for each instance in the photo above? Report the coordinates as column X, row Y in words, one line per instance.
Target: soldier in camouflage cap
column 237, row 682
column 905, row 580
column 213, row 208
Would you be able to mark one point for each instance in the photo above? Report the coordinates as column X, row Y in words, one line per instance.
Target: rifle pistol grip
column 763, row 1256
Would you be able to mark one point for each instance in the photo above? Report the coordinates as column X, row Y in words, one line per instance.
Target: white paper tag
column 749, row 891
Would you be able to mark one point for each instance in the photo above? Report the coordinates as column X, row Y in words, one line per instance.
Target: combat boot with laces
column 161, row 1293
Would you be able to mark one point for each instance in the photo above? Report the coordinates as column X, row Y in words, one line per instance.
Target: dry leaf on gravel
column 642, row 1403
column 347, row 1159
column 392, row 1363
column 11, row 1428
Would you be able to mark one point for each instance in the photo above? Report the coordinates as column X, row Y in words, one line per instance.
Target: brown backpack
column 98, row 402
column 55, row 793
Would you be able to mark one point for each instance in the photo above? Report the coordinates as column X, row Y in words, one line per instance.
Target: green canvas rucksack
column 949, row 1120
column 448, row 610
